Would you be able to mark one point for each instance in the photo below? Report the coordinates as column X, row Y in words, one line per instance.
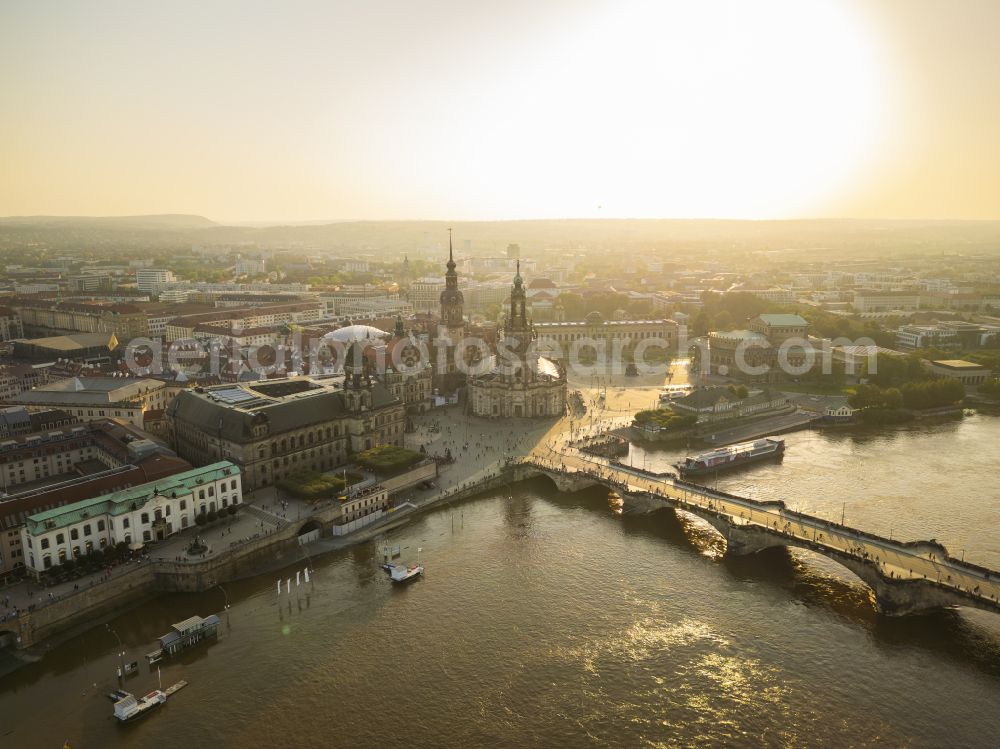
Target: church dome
column 595, row 318
column 356, row 333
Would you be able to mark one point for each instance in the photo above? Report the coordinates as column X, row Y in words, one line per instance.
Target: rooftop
column 746, row 335
column 230, row 411
column 783, row 320
column 73, row 342
column 86, row 390
column 957, row 364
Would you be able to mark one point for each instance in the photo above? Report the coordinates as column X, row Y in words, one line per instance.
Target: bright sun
column 729, row 109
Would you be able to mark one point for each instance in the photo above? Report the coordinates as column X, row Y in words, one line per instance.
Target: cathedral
column 520, row 382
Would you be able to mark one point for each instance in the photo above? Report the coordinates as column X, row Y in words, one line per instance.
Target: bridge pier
column 743, row 539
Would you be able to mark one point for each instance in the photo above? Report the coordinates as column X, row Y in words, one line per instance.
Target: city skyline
column 443, row 111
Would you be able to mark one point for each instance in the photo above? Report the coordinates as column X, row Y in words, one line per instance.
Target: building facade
column 562, row 339
column 135, row 516
column 89, row 398
column 10, row 325
column 153, row 279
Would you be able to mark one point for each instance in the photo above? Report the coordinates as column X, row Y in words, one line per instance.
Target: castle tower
column 452, row 301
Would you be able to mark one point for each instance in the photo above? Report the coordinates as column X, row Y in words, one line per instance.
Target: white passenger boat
column 401, row 574
column 132, row 708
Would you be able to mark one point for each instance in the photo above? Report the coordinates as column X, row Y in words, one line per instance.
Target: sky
column 465, row 110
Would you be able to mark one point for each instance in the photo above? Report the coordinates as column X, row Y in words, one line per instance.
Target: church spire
column 452, row 300
column 451, row 255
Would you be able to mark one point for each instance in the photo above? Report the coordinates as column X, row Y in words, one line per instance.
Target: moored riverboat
column 732, row 456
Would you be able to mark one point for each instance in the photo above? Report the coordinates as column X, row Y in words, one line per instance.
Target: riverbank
column 42, row 626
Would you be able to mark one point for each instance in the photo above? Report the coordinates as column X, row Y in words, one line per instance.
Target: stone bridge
column 905, row 577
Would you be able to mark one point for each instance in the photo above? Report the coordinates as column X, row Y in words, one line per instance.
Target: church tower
column 518, row 326
column 519, row 331
column 452, row 301
column 357, row 377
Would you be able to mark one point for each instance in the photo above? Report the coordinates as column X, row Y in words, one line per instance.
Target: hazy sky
column 467, row 109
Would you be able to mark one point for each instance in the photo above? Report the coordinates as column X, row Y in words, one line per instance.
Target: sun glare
column 722, row 109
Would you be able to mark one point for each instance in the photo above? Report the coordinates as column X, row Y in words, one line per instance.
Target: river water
column 546, row 619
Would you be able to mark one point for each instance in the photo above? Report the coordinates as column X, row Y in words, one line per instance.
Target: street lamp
column 224, row 593
column 121, row 654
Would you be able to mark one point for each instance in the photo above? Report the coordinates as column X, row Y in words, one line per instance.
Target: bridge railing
column 941, row 553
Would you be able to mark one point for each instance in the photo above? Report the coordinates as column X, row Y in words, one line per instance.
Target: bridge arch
column 310, row 531
column 8, row 639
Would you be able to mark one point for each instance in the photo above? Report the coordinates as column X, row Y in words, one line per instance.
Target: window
column 45, row 543
column 125, row 523
column 145, row 518
column 184, row 504
column 86, row 529
column 146, row 536
column 211, row 491
column 60, row 539
column 100, row 525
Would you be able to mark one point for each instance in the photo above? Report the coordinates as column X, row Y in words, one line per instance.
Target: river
column 548, row 620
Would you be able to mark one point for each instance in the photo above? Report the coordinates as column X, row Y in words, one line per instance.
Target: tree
column 722, row 320
column 932, row 393
column 990, row 388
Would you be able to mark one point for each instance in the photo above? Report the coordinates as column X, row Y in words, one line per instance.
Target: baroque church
column 520, row 382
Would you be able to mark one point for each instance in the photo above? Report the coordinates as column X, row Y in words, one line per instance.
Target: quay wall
column 86, row 606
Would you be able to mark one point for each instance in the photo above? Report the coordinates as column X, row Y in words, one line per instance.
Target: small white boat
column 401, row 574
column 131, row 708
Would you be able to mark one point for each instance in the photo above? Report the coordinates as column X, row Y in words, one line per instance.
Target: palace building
column 274, row 428
column 520, row 382
column 135, row 515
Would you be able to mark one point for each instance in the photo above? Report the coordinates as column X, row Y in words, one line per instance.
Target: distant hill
column 165, row 221
column 703, row 239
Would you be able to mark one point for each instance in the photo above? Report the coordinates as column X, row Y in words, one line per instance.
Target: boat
column 132, row 708
column 724, row 458
column 118, row 694
column 401, row 574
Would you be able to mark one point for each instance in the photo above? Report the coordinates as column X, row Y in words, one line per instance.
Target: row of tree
column 990, row 388
column 919, row 395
